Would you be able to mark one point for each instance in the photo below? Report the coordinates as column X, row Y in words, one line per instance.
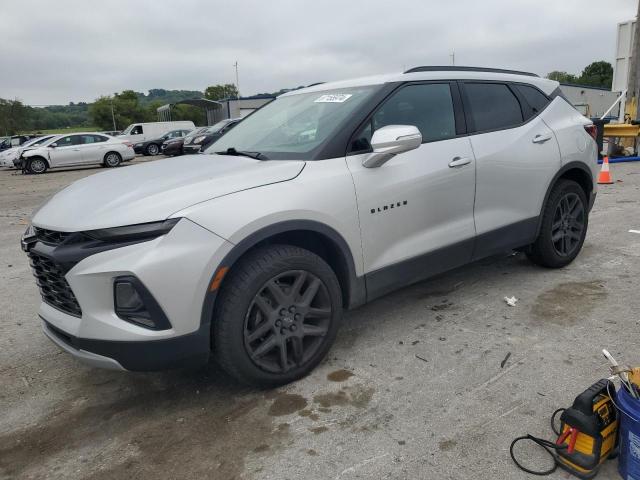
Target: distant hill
column 167, row 96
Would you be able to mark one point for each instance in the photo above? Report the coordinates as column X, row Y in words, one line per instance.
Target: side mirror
column 53, row 145
column 391, row 140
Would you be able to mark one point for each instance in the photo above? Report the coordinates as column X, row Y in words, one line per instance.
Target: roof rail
column 467, row 69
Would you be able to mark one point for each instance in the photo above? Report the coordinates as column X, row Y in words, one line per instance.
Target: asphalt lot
column 433, row 381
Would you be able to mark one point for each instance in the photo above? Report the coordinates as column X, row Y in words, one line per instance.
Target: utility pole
column 453, row 57
column 237, row 82
column 113, row 117
column 633, row 85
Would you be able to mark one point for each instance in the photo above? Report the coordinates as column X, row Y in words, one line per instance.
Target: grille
column 51, row 237
column 54, row 288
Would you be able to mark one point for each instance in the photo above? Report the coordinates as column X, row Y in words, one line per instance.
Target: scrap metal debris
column 511, row 301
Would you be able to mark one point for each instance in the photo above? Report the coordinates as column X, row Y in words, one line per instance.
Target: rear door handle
column 459, row 162
column 541, row 138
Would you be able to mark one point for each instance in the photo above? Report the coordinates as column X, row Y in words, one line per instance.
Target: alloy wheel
column 153, row 149
column 112, row 160
column 287, row 321
column 37, row 165
column 568, row 224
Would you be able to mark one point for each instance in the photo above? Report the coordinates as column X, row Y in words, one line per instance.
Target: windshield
column 218, row 126
column 36, row 141
column 293, row 126
column 197, row 131
column 127, row 130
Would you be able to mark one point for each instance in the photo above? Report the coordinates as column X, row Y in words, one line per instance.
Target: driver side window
column 137, row 130
column 429, row 107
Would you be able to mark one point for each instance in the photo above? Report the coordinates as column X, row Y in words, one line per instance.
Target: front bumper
column 142, row 356
column 191, row 149
column 139, row 149
column 175, row 268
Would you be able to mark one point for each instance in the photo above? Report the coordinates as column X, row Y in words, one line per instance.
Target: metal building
column 218, row 110
column 591, row 101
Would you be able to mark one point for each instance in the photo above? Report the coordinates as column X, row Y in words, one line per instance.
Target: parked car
column 112, row 133
column 142, row 132
column 199, row 142
column 173, row 147
column 328, row 197
column 10, row 157
column 76, row 149
column 14, row 141
column 153, row 147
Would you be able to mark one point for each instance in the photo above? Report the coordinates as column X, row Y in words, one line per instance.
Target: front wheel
column 152, row 149
column 37, row 165
column 564, row 226
column 112, row 159
column 277, row 315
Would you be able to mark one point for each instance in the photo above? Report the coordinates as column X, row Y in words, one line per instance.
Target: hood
column 153, row 191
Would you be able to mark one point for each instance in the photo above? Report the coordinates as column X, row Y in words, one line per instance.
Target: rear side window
column 534, row 97
column 493, row 106
column 68, row 141
column 86, row 139
column 429, row 107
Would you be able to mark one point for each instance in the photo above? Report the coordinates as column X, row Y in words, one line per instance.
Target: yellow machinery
column 588, row 430
column 587, row 435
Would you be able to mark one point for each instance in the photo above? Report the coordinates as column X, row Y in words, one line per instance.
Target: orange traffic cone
column 604, row 177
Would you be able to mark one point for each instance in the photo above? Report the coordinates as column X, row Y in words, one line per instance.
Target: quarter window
column 534, row 97
column 429, row 107
column 493, row 106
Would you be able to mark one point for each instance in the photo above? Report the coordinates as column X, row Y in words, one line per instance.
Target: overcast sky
column 69, row 50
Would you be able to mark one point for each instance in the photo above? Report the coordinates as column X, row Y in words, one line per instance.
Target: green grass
column 68, row 130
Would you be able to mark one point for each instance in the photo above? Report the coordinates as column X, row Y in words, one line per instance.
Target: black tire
column 37, row 165
column 241, row 329
column 112, row 160
column 152, row 150
column 565, row 219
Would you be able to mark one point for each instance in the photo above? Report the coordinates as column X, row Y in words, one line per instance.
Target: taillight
column 592, row 130
column 128, row 144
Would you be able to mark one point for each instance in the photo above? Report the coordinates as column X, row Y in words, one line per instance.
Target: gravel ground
column 433, row 381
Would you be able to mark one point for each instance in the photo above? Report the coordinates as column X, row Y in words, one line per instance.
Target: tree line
column 130, row 106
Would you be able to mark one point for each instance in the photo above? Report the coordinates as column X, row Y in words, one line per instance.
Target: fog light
column 135, row 304
column 127, row 297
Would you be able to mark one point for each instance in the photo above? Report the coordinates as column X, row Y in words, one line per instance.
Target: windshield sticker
column 335, row 98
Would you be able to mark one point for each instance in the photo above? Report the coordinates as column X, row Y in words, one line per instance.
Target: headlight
column 133, row 232
column 28, row 238
column 199, row 139
column 139, row 144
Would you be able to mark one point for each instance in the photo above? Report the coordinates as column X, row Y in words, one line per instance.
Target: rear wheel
column 112, row 159
column 564, row 226
column 152, row 149
column 277, row 315
column 37, row 165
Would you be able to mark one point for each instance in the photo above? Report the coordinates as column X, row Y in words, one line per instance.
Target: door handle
column 459, row 162
column 541, row 138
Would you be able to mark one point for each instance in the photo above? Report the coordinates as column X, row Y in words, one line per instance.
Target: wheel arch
column 46, row 160
column 579, row 172
column 314, row 236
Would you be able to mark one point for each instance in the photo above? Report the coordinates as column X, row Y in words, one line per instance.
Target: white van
column 141, row 132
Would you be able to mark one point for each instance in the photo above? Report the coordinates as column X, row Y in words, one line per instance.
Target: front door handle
column 459, row 162
column 541, row 138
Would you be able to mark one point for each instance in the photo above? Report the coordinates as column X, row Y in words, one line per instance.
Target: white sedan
column 77, row 149
column 7, row 157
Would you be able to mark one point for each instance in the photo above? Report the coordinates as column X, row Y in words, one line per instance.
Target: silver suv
column 324, row 199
